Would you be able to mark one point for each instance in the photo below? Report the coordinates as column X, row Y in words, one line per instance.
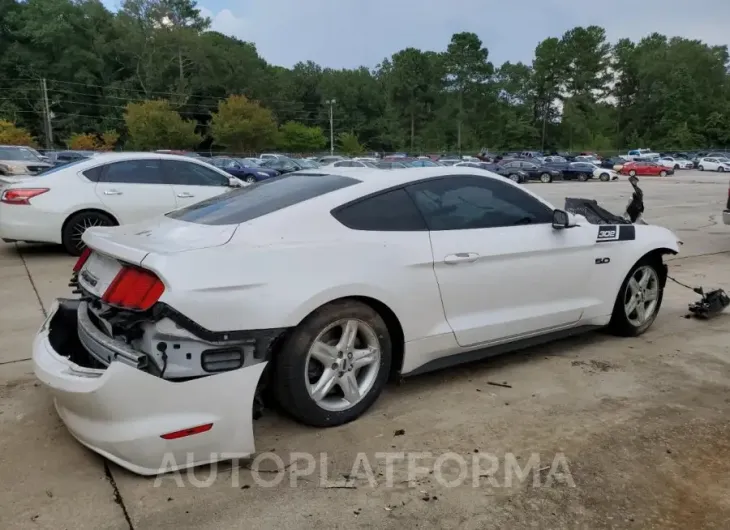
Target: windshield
column 308, row 164
column 248, row 162
column 19, row 153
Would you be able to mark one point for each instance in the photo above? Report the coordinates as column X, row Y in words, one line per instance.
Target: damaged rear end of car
column 135, row 380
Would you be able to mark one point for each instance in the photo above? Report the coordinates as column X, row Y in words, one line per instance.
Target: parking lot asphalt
column 642, row 422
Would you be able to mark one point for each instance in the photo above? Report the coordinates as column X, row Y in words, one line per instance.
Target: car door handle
column 112, row 192
column 461, row 257
column 185, row 195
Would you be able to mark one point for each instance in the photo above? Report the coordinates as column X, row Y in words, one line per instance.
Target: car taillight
column 134, row 288
column 21, row 195
column 82, row 259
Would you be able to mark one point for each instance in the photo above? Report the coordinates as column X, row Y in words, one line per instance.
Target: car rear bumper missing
column 122, row 412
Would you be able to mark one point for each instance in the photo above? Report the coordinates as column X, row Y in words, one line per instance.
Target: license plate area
column 98, row 273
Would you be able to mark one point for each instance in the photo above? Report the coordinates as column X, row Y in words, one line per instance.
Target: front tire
column 546, row 178
column 701, row 168
column 514, row 177
column 76, row 225
column 720, row 169
column 582, row 177
column 639, row 299
column 605, row 177
column 334, row 365
column 250, row 179
column 662, row 173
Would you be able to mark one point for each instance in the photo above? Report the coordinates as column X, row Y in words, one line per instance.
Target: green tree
column 154, row 125
column 296, row 137
column 243, row 125
column 349, row 144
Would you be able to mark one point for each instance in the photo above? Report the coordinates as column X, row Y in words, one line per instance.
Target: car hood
column 160, row 235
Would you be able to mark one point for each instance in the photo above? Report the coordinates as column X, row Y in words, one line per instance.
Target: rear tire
column 662, row 173
column 250, row 179
column 514, row 177
column 582, row 177
column 77, row 224
column 701, row 168
column 605, row 177
column 546, row 178
column 720, row 169
column 314, row 351
column 627, row 320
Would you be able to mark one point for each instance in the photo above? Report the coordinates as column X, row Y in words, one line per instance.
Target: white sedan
column 675, row 163
column 324, row 286
column 109, row 189
column 714, row 164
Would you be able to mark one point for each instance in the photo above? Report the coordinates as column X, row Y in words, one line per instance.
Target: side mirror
column 562, row 219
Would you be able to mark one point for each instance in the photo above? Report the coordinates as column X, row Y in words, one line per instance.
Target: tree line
column 152, row 75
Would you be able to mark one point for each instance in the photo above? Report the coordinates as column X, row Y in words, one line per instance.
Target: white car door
column 504, row 272
column 192, row 182
column 134, row 190
column 709, row 164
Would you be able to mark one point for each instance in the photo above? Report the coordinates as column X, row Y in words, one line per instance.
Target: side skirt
column 499, row 349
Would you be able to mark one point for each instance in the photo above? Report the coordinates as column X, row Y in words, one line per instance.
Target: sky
column 352, row 33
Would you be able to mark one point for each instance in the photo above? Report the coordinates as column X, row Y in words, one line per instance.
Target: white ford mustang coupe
column 320, row 285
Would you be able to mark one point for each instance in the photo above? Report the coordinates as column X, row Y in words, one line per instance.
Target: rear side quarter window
column 392, row 211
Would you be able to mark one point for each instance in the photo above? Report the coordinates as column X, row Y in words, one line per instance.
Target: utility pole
column 331, row 103
column 47, row 117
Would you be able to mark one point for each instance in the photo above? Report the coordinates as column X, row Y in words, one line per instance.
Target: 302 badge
column 608, row 233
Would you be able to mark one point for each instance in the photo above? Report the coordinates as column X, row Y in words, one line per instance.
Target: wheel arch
column 88, row 210
column 392, row 322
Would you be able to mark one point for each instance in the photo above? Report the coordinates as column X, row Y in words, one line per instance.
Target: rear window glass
column 262, row 198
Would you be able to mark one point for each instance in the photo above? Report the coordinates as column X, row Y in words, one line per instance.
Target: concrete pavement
column 641, row 421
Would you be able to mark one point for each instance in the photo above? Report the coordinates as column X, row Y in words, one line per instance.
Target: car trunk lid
column 132, row 243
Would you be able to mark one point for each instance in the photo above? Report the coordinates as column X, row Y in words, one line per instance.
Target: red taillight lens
column 21, row 195
column 82, row 259
column 134, row 288
column 187, row 432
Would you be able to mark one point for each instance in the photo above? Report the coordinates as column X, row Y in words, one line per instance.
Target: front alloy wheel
column 251, row 179
column 546, row 178
column 641, row 296
column 639, row 299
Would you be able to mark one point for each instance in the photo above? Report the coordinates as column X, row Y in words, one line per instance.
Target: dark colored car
column 541, row 172
column 579, row 171
column 515, row 175
column 64, row 157
column 245, row 170
column 390, row 165
column 282, row 165
column 609, row 163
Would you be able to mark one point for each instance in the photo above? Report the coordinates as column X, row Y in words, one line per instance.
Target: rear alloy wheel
column 250, row 179
column 546, row 178
column 701, row 168
column 662, row 173
column 76, row 225
column 632, row 173
column 639, row 299
column 514, row 177
column 582, row 177
column 334, row 365
column 605, row 177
